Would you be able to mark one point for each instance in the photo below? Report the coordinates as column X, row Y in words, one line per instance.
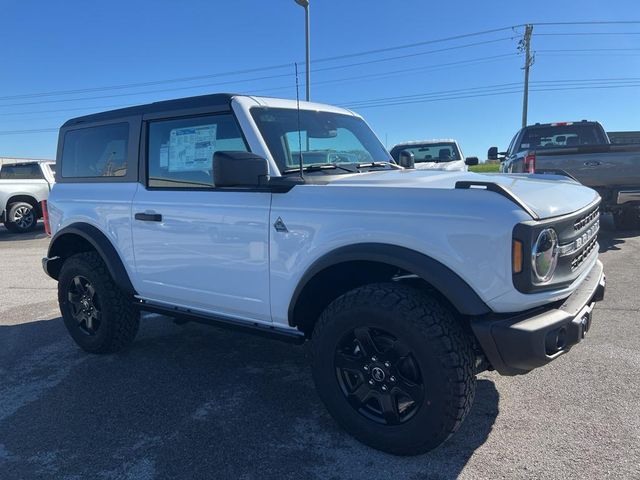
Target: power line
column 485, row 91
column 418, row 44
column 335, row 67
column 589, row 50
column 488, row 93
column 257, row 69
column 571, row 34
column 319, row 83
column 592, row 22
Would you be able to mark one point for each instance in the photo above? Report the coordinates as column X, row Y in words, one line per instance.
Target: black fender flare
column 100, row 243
column 439, row 276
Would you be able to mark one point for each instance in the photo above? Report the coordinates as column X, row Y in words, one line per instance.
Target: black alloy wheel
column 379, row 376
column 85, row 305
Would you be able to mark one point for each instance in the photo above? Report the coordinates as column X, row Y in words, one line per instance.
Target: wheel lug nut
column 384, row 388
column 366, row 368
column 393, row 379
column 374, row 359
column 387, row 364
column 371, row 382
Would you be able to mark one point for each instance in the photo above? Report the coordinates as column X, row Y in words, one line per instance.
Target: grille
column 579, row 260
column 586, row 219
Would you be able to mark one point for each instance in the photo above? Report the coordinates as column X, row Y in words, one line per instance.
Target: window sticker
column 524, row 145
column 192, row 148
column 164, row 155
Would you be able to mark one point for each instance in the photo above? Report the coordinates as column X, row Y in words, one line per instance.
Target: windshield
column 429, row 152
column 323, row 138
column 552, row 136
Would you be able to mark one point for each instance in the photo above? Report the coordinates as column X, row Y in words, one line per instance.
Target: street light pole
column 305, row 5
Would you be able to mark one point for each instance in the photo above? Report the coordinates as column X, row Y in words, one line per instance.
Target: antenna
column 299, row 134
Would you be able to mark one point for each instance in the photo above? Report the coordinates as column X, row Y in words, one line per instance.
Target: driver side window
column 180, row 151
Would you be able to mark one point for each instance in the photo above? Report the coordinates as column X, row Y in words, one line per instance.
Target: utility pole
column 525, row 45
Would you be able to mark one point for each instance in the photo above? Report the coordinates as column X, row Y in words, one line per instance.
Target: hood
column 546, row 195
column 452, row 165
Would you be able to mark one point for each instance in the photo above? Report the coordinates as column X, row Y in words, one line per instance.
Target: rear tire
column 21, row 217
column 98, row 315
column 419, row 368
column 627, row 219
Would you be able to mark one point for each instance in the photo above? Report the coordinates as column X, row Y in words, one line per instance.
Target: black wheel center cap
column 378, row 374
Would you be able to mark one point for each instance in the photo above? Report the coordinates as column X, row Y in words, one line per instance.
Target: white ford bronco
column 292, row 221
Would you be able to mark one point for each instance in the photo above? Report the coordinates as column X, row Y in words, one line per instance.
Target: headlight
column 544, row 256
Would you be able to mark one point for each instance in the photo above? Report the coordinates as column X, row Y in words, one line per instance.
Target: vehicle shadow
column 37, row 233
column 611, row 239
column 188, row 402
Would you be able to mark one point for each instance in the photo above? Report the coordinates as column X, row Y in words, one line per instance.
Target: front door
column 196, row 246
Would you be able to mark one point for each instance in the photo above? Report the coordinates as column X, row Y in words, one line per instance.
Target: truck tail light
column 45, row 217
column 516, row 256
column 530, row 163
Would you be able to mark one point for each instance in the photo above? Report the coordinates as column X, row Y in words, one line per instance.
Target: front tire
column 21, row 217
column 393, row 367
column 98, row 315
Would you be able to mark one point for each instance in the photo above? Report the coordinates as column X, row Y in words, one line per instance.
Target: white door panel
column 209, row 251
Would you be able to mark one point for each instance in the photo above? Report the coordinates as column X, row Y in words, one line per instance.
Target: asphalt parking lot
column 193, row 401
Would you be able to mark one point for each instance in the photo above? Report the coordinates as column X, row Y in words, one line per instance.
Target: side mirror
column 471, row 161
column 406, row 160
column 239, row 169
column 492, row 154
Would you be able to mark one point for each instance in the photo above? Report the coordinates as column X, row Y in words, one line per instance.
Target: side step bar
column 184, row 315
column 500, row 190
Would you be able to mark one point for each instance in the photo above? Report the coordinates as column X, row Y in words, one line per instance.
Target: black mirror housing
column 492, row 154
column 239, row 169
column 471, row 161
column 406, row 159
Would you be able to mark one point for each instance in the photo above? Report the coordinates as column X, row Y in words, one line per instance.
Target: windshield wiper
column 379, row 165
column 320, row 167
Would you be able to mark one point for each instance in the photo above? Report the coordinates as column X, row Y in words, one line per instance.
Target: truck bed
column 594, row 165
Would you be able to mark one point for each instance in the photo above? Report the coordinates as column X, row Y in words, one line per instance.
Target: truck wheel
column 21, row 217
column 97, row 314
column 393, row 368
column 627, row 219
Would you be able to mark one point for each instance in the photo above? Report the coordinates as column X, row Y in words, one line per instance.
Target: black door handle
column 591, row 164
column 148, row 217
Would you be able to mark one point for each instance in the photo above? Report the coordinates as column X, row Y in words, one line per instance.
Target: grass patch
column 485, row 168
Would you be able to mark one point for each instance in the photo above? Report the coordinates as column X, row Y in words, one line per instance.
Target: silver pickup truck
column 581, row 150
column 23, row 185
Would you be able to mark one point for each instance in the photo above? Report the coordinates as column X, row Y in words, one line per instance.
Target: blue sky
column 76, row 45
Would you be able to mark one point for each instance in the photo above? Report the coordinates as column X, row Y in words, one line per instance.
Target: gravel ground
column 197, row 402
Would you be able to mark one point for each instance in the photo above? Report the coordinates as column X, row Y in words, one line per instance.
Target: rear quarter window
column 96, row 152
column 30, row 171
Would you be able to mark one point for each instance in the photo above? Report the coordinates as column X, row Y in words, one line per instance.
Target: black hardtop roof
column 216, row 99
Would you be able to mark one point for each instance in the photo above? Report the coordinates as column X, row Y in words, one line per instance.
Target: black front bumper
column 518, row 344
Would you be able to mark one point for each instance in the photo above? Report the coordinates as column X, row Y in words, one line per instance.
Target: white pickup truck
column 23, row 185
column 292, row 221
column 444, row 154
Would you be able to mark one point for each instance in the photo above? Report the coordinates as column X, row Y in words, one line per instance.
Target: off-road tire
column 444, row 353
column 627, row 219
column 14, row 227
column 119, row 321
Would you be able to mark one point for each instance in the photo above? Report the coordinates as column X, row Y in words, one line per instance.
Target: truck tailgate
column 612, row 165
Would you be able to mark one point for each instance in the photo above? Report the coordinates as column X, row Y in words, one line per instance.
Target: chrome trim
column 625, row 196
column 580, row 242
